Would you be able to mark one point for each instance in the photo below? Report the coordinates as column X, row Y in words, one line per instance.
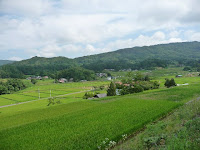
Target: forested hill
column 36, row 66
column 146, row 57
column 124, row 58
column 4, row 62
column 172, row 51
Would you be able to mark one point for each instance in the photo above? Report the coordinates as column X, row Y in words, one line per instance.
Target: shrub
column 137, row 89
column 101, row 87
column 89, row 95
column 111, row 89
column 53, row 101
column 34, row 81
column 169, row 83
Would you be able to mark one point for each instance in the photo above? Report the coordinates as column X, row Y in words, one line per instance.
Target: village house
column 83, row 80
column 29, row 78
column 109, row 78
column 45, row 77
column 62, row 80
column 39, row 78
column 100, row 95
column 178, row 76
column 101, row 75
column 71, row 79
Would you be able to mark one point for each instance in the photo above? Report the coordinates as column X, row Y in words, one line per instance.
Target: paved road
column 41, row 99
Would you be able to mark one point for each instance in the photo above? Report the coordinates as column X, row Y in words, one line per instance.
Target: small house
column 62, row 80
column 101, row 75
column 71, row 79
column 100, row 95
column 29, row 78
column 178, row 76
column 83, row 80
column 45, row 77
column 39, row 78
column 109, row 78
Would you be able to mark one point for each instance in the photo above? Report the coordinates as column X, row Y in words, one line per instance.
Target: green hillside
column 131, row 57
column 146, row 57
column 4, row 62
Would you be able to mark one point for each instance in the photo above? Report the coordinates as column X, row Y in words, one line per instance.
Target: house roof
column 100, row 95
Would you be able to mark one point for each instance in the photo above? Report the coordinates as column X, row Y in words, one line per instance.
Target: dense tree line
column 132, row 84
column 12, row 85
column 4, row 62
column 76, row 73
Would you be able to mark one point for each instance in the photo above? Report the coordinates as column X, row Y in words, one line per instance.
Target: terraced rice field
column 46, row 89
column 84, row 124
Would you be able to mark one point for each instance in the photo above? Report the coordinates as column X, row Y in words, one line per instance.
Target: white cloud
column 15, row 58
column 78, row 27
column 157, row 38
column 174, row 34
column 192, row 35
column 24, row 7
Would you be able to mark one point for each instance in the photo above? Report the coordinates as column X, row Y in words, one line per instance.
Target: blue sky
column 74, row 28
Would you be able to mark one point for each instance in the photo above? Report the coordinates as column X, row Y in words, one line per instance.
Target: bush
column 137, row 89
column 89, row 95
column 53, row 101
column 101, row 87
column 111, row 89
column 12, row 85
column 169, row 83
column 186, row 68
column 131, row 89
column 34, row 81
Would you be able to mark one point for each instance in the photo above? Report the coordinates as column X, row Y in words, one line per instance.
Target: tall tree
column 111, row 89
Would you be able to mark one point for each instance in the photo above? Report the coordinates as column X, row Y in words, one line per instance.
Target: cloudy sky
column 75, row 28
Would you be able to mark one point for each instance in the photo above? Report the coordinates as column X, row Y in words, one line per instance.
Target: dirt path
column 41, row 99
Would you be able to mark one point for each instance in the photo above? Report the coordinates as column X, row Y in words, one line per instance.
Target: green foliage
column 186, row 68
column 147, row 57
column 169, row 83
column 89, row 95
column 53, row 101
column 138, row 77
column 4, row 62
column 12, row 85
column 149, row 85
column 146, row 78
column 101, row 87
column 34, row 81
column 111, row 89
column 140, row 83
column 131, row 89
column 77, row 74
column 3, row 89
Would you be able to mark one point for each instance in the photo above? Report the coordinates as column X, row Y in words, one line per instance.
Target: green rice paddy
column 77, row 123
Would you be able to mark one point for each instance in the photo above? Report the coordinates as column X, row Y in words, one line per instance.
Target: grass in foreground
column 83, row 129
column 86, row 124
column 178, row 131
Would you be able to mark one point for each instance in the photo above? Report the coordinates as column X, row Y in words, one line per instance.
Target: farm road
column 41, row 99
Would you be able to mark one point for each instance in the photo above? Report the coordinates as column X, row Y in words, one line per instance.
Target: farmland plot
column 46, row 90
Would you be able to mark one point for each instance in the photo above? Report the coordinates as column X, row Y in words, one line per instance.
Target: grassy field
column 78, row 123
column 43, row 89
column 84, row 124
column 179, row 130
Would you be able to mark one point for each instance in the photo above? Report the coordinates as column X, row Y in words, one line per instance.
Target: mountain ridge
column 145, row 57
